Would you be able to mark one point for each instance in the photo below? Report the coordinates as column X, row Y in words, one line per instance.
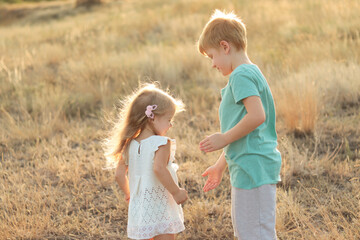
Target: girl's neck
column 147, row 132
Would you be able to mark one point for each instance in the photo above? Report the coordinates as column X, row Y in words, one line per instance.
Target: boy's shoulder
column 246, row 69
column 249, row 71
column 248, row 75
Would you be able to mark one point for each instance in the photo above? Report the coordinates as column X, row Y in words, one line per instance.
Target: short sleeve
column 159, row 141
column 243, row 86
column 172, row 148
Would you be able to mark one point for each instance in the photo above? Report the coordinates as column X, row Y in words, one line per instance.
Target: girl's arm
column 161, row 160
column 215, row 173
column 255, row 117
column 122, row 180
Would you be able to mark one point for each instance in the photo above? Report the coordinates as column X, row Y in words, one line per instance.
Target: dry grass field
column 64, row 69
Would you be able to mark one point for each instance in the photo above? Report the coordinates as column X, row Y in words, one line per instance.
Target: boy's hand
column 180, row 196
column 213, row 142
column 214, row 174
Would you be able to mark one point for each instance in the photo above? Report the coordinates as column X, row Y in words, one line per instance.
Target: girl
column 139, row 145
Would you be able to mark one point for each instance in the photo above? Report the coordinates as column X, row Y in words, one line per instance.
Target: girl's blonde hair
column 222, row 27
column 132, row 120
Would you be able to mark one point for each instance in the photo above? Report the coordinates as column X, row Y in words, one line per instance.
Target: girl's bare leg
column 165, row 237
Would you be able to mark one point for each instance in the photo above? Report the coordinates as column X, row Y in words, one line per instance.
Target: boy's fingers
column 211, row 186
column 208, row 184
column 209, row 149
column 206, row 147
column 204, row 141
column 207, row 188
column 205, row 150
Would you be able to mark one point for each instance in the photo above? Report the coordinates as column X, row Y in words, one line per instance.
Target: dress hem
column 154, row 235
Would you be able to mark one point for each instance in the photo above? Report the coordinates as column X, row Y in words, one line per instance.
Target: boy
column 248, row 136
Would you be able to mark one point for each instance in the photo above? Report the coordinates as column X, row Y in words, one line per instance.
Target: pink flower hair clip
column 149, row 110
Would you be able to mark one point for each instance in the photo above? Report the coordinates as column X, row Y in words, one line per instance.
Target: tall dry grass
column 320, row 87
column 62, row 70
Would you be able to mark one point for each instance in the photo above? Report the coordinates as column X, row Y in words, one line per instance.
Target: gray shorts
column 253, row 212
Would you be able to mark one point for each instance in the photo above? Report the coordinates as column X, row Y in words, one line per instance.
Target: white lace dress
column 152, row 209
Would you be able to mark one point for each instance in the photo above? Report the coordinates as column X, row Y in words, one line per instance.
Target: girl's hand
column 213, row 142
column 127, row 198
column 180, row 196
column 214, row 174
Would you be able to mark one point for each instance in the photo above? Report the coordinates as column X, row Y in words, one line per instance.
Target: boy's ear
column 225, row 46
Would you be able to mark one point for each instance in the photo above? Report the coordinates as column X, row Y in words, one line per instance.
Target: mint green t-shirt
column 253, row 160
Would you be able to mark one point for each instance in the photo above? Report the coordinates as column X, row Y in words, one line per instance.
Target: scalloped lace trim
column 149, row 231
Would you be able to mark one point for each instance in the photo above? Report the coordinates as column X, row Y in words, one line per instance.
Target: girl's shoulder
column 157, row 141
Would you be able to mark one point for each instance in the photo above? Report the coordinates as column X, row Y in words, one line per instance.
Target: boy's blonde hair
column 132, row 120
column 222, row 27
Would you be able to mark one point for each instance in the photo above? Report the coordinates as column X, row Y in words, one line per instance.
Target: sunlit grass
column 62, row 71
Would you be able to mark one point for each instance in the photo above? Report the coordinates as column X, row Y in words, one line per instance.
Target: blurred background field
column 63, row 70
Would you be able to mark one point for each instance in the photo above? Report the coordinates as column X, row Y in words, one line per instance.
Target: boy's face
column 221, row 60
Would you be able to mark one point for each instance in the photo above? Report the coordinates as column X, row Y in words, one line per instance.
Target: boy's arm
column 162, row 173
column 122, row 180
column 255, row 117
column 214, row 173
